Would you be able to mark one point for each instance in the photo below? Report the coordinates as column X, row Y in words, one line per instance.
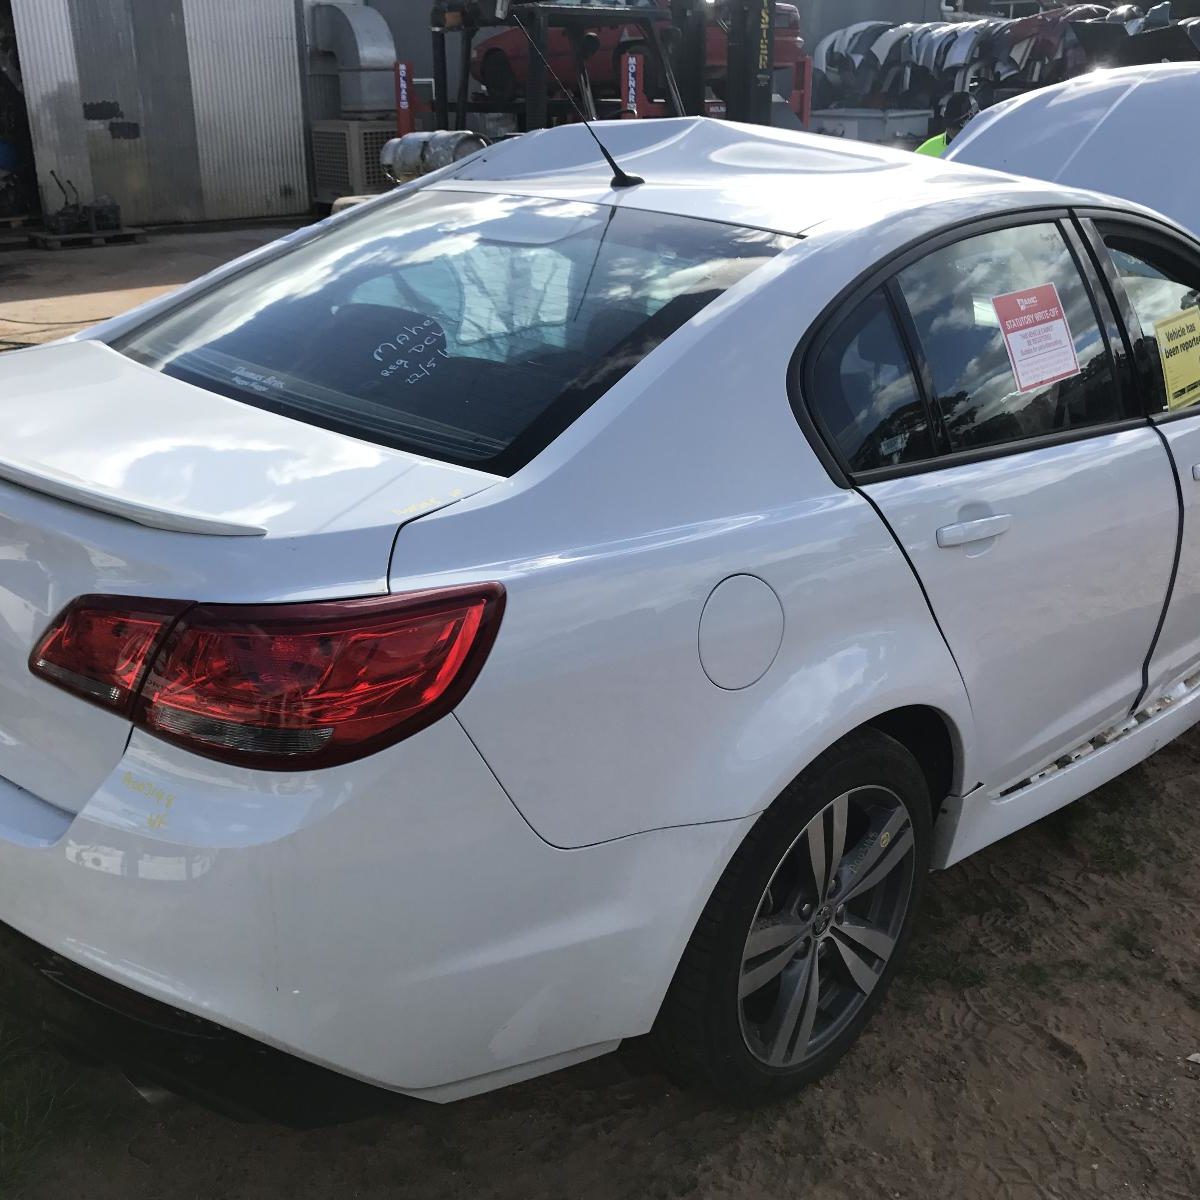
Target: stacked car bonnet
column 879, row 63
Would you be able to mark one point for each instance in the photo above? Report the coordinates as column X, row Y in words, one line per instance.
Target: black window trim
column 1105, row 274
column 1172, row 239
column 881, row 275
column 1108, row 316
column 918, row 364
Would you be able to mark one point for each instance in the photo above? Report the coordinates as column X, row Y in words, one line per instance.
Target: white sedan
column 520, row 614
column 1112, row 130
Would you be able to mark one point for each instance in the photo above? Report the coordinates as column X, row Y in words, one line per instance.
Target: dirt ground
column 1035, row 1046
column 46, row 294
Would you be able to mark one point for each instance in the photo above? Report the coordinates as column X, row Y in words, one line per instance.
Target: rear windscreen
column 468, row 327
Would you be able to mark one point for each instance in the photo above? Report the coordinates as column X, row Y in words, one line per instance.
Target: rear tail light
column 101, row 646
column 278, row 687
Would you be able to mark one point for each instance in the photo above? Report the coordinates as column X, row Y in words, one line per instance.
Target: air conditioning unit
column 346, row 157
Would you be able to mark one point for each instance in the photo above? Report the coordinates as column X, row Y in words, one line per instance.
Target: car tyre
column 497, row 75
column 786, row 965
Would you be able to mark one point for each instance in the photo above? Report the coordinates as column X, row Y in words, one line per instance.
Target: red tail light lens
column 101, row 646
column 293, row 686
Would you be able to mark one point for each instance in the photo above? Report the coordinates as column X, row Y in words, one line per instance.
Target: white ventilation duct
column 361, row 42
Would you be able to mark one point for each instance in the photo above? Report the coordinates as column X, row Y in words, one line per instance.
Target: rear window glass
column 467, row 327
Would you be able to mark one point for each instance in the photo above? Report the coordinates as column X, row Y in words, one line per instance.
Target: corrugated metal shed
column 52, row 95
column 181, row 110
column 251, row 138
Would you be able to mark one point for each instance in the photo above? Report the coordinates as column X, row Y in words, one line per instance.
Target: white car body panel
column 1050, row 620
column 257, row 901
column 976, row 821
column 172, row 448
column 689, row 749
column 329, row 506
column 1176, row 647
column 1103, row 131
column 766, row 178
column 511, row 888
column 1099, row 131
column 881, row 48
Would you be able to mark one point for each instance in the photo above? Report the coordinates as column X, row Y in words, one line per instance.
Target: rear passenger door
column 1155, row 277
column 974, row 398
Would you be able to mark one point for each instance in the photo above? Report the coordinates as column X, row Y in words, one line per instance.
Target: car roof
column 773, row 179
column 1118, row 131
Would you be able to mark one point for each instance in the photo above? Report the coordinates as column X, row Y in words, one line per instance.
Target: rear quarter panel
column 593, row 709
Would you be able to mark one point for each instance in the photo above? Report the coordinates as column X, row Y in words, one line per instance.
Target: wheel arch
column 931, row 738
column 927, row 732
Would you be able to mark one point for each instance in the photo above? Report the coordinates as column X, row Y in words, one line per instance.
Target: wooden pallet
column 42, row 240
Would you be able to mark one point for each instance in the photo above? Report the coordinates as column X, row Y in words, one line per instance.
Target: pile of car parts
column 881, row 64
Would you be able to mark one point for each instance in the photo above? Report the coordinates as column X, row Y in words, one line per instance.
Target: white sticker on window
column 1037, row 337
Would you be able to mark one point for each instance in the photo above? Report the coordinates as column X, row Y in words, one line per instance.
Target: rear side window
column 864, row 393
column 467, row 327
column 1164, row 291
column 1010, row 335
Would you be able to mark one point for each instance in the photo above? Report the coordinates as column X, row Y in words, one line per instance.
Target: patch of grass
column 1116, row 831
column 1132, row 958
column 1190, row 993
column 1127, row 937
column 1112, row 853
column 1104, row 836
column 1075, row 968
column 945, row 909
column 1104, row 830
column 1047, row 978
column 932, row 963
column 1120, row 973
column 37, row 1100
column 1172, row 879
column 1037, row 977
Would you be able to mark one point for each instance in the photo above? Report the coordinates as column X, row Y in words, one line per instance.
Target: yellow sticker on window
column 1179, row 350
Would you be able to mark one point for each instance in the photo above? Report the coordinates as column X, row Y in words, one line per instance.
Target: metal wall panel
column 109, row 92
column 169, row 125
column 52, row 95
column 245, row 69
column 181, row 110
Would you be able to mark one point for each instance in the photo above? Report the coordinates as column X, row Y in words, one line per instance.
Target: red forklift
column 547, row 62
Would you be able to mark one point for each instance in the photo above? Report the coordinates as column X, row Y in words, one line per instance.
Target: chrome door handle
column 1196, row 470
column 973, row 531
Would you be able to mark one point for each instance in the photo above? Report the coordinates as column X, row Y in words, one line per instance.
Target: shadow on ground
column 1035, row 1046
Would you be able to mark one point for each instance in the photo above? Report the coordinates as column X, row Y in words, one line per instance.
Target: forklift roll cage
column 680, row 67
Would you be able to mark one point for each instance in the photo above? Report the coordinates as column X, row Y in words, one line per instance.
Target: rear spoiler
column 62, row 486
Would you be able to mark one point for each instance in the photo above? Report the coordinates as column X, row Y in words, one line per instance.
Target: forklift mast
column 679, row 55
column 690, row 19
column 751, row 60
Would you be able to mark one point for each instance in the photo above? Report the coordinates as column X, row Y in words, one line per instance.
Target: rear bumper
column 394, row 920
column 188, row 1055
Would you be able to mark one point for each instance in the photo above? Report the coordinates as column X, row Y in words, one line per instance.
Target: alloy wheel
column 826, row 926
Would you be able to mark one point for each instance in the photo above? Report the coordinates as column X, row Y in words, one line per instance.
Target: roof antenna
column 621, row 178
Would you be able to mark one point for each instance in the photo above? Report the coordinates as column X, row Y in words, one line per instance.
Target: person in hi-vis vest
column 960, row 108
